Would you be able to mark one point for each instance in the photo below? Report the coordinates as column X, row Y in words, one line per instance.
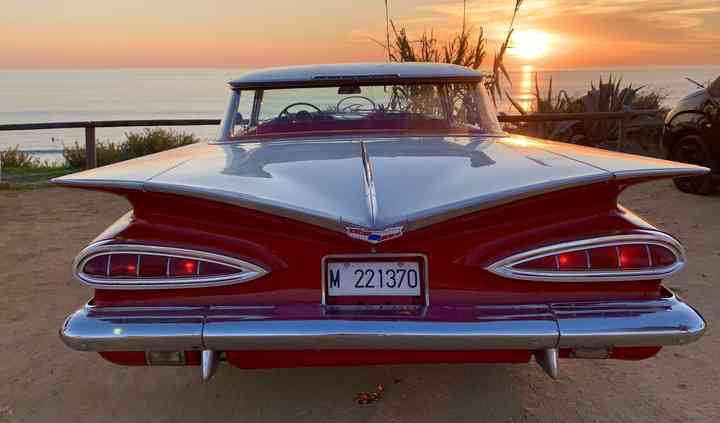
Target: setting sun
column 530, row 44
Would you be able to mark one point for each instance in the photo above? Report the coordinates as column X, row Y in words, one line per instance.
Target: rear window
column 462, row 108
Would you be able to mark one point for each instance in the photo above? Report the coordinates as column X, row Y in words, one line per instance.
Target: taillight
column 640, row 256
column 123, row 266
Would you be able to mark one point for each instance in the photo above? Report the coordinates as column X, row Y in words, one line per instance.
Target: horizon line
column 518, row 68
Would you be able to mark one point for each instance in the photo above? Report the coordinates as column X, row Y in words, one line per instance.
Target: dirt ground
column 41, row 380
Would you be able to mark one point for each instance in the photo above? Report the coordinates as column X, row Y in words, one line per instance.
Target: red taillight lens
column 604, row 258
column 542, row 263
column 182, row 267
column 97, row 266
column 635, row 256
column 625, row 256
column 123, row 265
column 646, row 255
column 661, row 256
column 128, row 266
column 208, row 268
column 575, row 260
column 153, row 266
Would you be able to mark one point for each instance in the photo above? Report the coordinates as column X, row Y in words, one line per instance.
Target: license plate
column 373, row 278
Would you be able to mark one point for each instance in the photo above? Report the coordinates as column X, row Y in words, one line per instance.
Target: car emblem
column 372, row 236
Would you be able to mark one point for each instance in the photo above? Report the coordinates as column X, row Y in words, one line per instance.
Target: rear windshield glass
column 425, row 107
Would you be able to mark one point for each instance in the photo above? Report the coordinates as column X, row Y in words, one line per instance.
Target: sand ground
column 41, row 380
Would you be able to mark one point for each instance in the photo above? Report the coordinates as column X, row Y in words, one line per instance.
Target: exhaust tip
column 208, row 364
column 548, row 360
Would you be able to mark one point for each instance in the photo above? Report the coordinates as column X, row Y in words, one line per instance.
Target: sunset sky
column 244, row 33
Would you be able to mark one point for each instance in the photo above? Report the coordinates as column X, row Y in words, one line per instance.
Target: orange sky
column 244, row 33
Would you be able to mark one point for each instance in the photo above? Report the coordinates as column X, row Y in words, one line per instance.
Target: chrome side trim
column 506, row 267
column 246, row 271
column 661, row 173
column 582, row 325
column 426, row 269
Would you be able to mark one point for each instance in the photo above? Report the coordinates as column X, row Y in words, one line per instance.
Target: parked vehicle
column 370, row 214
column 692, row 135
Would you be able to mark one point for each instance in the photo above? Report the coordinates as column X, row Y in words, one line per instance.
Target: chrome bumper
column 666, row 321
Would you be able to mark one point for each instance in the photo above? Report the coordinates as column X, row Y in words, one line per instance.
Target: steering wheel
column 303, row 116
column 350, row 106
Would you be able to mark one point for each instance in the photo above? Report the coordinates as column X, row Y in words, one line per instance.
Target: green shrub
column 154, row 141
column 136, row 144
column 106, row 153
column 16, row 158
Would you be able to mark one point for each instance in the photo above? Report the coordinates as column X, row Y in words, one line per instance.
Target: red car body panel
column 459, row 249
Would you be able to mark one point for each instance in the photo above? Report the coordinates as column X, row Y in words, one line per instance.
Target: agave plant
column 607, row 96
column 551, row 103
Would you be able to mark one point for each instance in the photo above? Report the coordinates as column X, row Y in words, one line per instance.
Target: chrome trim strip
column 506, row 267
column 228, row 123
column 249, row 271
column 691, row 170
column 380, row 136
column 328, row 334
column 369, row 184
column 370, row 256
column 581, row 325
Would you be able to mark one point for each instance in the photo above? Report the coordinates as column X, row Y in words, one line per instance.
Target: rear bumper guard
column 606, row 324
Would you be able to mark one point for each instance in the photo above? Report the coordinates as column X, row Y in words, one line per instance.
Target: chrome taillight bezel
column 246, row 271
column 506, row 267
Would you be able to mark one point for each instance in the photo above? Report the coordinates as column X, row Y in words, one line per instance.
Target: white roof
column 353, row 73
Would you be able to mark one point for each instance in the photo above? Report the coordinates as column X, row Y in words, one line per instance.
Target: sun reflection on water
column 525, row 96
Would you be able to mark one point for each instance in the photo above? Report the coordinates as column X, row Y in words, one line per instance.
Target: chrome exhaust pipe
column 208, row 363
column 548, row 360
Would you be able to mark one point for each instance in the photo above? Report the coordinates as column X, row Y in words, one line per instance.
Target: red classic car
column 371, row 214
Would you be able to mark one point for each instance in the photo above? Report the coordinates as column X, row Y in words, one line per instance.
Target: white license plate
column 368, row 278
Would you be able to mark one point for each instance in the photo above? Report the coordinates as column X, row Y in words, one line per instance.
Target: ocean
column 35, row 96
